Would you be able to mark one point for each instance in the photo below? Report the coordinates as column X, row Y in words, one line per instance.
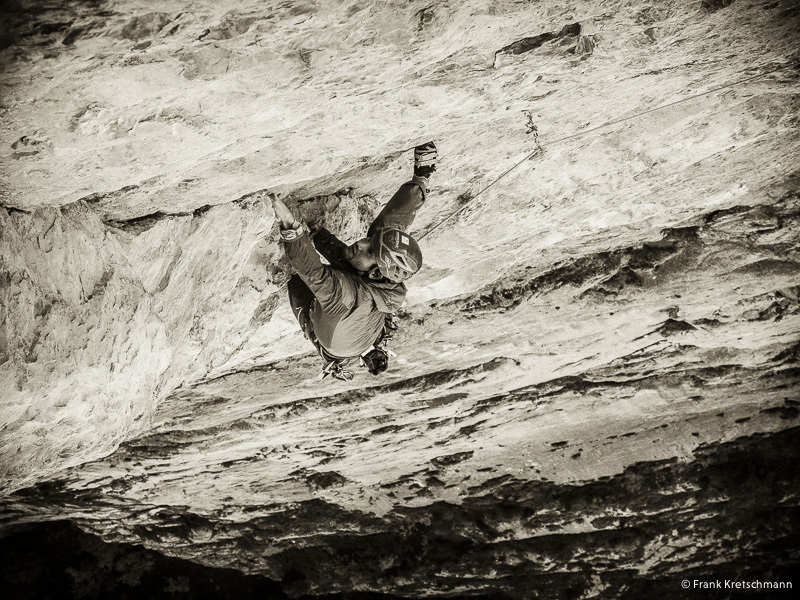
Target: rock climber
column 345, row 308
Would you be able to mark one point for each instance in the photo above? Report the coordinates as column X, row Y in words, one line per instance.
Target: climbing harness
column 335, row 367
column 376, row 358
column 539, row 150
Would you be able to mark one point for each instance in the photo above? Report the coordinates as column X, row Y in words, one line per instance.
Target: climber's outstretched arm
column 401, row 209
column 335, row 292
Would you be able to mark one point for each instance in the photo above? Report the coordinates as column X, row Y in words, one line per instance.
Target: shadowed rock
column 531, row 43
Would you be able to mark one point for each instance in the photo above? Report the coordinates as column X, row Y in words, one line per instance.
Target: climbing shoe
column 425, row 159
column 376, row 360
column 335, row 369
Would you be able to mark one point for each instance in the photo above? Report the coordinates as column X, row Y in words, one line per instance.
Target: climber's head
column 360, row 256
column 397, row 254
column 389, row 253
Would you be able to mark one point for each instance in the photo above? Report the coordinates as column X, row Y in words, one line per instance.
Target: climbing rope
column 539, row 150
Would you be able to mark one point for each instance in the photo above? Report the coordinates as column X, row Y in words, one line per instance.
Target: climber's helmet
column 397, row 254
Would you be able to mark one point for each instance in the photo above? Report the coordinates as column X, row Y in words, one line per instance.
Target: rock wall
column 606, row 324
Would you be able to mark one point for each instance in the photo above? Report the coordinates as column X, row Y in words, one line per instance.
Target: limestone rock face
column 597, row 374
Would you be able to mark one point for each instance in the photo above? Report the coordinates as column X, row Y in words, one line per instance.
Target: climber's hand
column 282, row 213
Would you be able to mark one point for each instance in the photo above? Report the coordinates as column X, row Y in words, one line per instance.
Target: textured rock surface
column 602, row 347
